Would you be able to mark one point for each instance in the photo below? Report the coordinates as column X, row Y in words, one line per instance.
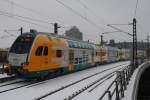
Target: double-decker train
column 35, row 54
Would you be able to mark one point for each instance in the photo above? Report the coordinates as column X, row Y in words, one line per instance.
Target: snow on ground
column 96, row 93
column 30, row 93
column 68, row 91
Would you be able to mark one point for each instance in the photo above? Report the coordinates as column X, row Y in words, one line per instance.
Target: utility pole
column 56, row 28
column 134, row 57
column 148, row 48
column 102, row 40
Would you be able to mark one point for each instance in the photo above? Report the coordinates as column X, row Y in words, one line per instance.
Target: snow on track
column 70, row 90
column 32, row 92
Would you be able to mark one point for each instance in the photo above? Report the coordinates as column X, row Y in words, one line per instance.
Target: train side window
column 45, row 51
column 58, row 53
column 39, row 51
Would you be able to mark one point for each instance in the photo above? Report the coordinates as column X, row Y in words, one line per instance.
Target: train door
column 71, row 59
column 101, row 55
column 45, row 56
column 93, row 57
column 37, row 60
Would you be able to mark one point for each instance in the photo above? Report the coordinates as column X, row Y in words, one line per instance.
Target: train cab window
column 39, row 51
column 45, row 51
column 22, row 44
column 58, row 53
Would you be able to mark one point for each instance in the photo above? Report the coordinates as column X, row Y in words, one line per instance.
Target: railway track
column 5, row 79
column 15, row 88
column 71, row 84
column 20, row 81
column 101, row 80
column 34, row 83
column 25, row 83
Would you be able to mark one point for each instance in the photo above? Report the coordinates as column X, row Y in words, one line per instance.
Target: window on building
column 58, row 53
column 45, row 51
column 39, row 51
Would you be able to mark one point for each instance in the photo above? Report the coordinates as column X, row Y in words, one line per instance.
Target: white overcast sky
column 101, row 12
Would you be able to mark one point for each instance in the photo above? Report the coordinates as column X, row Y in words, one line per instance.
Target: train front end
column 18, row 54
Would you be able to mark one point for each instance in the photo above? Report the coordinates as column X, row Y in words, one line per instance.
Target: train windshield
column 22, row 44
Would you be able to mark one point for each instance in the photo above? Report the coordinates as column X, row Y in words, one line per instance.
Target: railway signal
column 102, row 40
column 56, row 28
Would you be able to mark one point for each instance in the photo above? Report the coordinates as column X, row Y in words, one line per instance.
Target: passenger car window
column 58, row 53
column 45, row 51
column 39, row 51
column 96, row 53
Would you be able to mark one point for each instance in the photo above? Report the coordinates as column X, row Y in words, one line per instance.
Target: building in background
column 74, row 33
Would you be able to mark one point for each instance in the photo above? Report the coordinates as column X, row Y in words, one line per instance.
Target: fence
column 119, row 84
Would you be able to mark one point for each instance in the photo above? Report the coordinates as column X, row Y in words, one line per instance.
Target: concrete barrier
column 142, row 68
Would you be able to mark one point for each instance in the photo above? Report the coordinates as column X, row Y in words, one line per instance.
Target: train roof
column 72, row 42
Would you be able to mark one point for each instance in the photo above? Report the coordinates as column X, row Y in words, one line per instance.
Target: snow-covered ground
column 34, row 91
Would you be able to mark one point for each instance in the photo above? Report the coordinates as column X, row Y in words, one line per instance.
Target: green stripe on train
column 45, row 72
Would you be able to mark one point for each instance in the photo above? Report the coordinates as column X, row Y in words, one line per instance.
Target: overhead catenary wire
column 9, row 29
column 9, row 33
column 120, row 30
column 91, row 11
column 121, row 24
column 140, row 27
column 40, row 13
column 4, row 36
column 33, row 11
column 80, row 15
column 28, row 18
column 13, row 17
column 136, row 7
